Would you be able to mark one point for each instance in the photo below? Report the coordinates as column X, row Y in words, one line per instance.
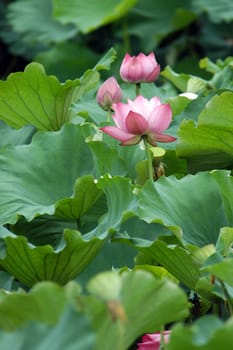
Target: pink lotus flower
column 139, row 69
column 152, row 341
column 140, row 118
column 108, row 93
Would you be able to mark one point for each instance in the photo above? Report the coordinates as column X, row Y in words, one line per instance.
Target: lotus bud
column 108, row 93
column 139, row 69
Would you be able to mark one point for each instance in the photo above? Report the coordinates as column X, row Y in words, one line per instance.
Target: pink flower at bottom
column 140, row 118
column 152, row 341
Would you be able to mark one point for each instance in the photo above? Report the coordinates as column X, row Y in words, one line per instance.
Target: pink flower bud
column 109, row 92
column 139, row 69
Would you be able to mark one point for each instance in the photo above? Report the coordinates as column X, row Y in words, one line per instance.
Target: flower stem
column 228, row 297
column 125, row 35
column 149, row 158
column 162, row 338
column 138, row 86
column 109, row 114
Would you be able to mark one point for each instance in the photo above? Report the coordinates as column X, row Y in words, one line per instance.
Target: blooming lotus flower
column 108, row 93
column 139, row 69
column 152, row 341
column 141, row 118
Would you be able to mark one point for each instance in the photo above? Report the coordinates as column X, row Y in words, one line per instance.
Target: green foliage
column 33, row 20
column 34, row 177
column 122, row 298
column 88, row 16
column 170, row 202
column 30, row 264
column 208, row 333
column 207, row 145
column 51, row 100
column 76, row 206
column 217, row 11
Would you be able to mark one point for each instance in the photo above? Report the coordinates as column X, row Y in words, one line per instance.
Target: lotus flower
column 141, row 118
column 152, row 341
column 139, row 69
column 108, row 93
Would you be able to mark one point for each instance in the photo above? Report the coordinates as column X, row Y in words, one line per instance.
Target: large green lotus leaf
column 32, row 97
column 73, row 331
column 106, row 160
column 60, row 59
column 225, row 241
column 33, row 20
column 10, row 136
column 63, row 327
column 106, row 61
column 218, row 11
column 208, row 145
column 176, row 259
column 44, row 229
column 35, row 176
column 30, row 264
column 123, row 297
column 207, row 333
column 88, row 16
column 222, row 269
column 121, row 203
column 113, row 255
column 44, row 303
column 221, row 70
column 225, row 182
column 109, row 156
column 179, row 80
column 191, row 207
column 152, row 20
column 84, row 197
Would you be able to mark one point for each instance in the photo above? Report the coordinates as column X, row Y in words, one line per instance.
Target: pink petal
column 165, row 138
column 155, row 337
column 154, row 74
column 154, row 102
column 160, row 118
column 140, row 105
column 131, row 69
column 133, row 141
column 152, row 341
column 118, row 134
column 151, row 68
column 144, row 106
column 136, row 124
column 148, row 346
column 154, row 138
column 152, row 58
column 126, row 58
column 121, row 111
